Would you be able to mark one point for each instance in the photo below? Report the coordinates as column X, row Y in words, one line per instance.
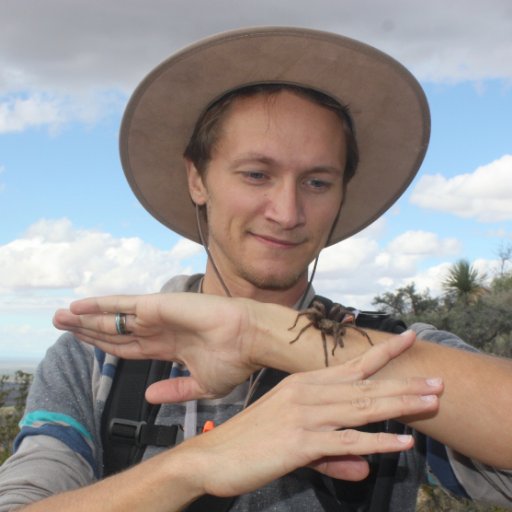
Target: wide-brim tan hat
column 387, row 104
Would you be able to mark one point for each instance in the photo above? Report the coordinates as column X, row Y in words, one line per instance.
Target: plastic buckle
column 126, row 431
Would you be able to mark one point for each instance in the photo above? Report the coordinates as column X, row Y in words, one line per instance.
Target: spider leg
column 302, row 313
column 326, row 355
column 307, row 326
column 362, row 332
column 337, row 337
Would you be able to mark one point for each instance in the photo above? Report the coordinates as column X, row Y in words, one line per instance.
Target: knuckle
column 362, row 403
column 408, row 404
column 382, row 438
column 406, row 382
column 349, row 436
column 364, row 385
column 407, row 400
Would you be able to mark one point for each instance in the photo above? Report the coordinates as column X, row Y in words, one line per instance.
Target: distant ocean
column 11, row 366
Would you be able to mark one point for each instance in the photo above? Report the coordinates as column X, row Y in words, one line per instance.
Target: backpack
column 127, row 425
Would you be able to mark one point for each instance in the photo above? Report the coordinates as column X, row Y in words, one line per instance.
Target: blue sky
column 70, row 226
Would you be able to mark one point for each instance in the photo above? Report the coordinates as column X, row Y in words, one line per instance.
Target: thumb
column 179, row 389
column 348, row 467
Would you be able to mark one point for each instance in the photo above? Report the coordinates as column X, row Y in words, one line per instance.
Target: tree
column 464, row 283
column 502, row 283
column 12, row 411
column 505, row 255
column 407, row 303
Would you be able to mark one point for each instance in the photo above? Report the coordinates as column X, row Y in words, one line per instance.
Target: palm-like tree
column 464, row 283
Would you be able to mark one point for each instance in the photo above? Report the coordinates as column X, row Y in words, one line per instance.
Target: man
column 271, row 167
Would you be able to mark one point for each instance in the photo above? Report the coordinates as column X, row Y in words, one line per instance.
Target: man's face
column 272, row 189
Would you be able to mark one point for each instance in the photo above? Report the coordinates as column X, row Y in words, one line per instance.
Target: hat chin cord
column 208, row 253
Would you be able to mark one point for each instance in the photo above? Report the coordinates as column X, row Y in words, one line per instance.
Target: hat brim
column 388, row 107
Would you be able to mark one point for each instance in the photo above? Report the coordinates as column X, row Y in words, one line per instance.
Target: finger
column 102, row 324
column 108, row 304
column 376, row 357
column 103, row 334
column 353, row 467
column 364, row 410
column 129, row 349
column 334, row 392
column 179, row 389
column 348, row 467
column 65, row 319
column 355, row 442
column 381, row 354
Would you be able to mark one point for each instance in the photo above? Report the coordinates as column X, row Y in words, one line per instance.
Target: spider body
column 333, row 322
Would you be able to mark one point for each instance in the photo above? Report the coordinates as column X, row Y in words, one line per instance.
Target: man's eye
column 318, row 184
column 255, row 175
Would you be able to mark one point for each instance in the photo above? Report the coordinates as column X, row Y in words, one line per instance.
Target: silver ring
column 121, row 323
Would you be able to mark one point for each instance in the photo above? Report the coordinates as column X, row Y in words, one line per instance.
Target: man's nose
column 286, row 206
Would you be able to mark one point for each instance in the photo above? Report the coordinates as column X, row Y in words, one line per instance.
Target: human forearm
column 474, row 415
column 165, row 483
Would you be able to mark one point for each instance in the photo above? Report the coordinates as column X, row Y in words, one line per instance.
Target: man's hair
column 209, row 125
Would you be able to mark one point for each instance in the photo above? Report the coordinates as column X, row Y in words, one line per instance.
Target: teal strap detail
column 35, row 419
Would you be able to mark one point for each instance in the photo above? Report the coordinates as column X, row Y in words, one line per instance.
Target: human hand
column 297, row 424
column 209, row 334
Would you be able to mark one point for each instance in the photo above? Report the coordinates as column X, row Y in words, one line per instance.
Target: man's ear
column 196, row 187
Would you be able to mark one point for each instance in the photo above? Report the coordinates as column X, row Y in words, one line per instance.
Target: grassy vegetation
column 436, row 499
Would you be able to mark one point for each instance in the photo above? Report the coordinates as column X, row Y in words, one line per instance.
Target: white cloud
column 500, row 232
column 54, row 255
column 68, row 49
column 430, row 279
column 421, row 244
column 22, row 111
column 483, row 195
column 18, row 114
column 347, row 256
column 356, row 270
column 185, row 248
column 487, row 268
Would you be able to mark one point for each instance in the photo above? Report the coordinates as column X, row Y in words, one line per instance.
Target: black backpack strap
column 386, row 473
column 128, row 424
column 379, row 485
column 128, row 419
column 209, row 503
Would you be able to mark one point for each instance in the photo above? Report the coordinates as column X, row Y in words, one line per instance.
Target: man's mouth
column 274, row 241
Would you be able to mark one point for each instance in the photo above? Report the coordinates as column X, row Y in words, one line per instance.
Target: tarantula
column 333, row 322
